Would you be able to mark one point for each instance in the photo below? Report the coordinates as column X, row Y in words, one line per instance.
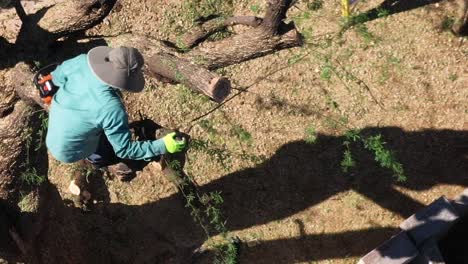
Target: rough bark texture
column 75, row 16
column 275, row 13
column 21, row 80
column 183, row 71
column 239, row 48
column 460, row 27
column 13, row 134
column 204, row 30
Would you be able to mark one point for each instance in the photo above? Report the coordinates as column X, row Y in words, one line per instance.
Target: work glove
column 174, row 145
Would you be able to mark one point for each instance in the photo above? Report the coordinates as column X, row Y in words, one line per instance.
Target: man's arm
column 114, row 121
column 59, row 75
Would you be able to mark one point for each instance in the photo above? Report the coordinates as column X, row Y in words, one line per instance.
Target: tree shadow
column 299, row 175
column 390, row 7
column 35, row 45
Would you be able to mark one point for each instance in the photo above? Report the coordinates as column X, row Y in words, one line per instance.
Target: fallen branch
column 204, row 30
column 194, row 76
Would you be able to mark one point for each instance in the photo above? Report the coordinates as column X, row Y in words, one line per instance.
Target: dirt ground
column 274, row 151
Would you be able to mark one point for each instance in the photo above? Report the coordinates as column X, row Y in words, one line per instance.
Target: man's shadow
column 299, row 175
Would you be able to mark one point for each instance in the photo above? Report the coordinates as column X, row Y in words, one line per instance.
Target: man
column 87, row 119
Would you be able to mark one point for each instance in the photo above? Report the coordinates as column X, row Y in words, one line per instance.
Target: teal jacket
column 83, row 109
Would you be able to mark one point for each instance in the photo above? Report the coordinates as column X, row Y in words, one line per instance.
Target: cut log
column 194, row 76
column 69, row 17
column 20, row 78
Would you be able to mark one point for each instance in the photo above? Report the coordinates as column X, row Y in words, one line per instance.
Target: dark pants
column 104, row 155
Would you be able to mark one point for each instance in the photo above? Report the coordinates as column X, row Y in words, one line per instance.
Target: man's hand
column 172, row 144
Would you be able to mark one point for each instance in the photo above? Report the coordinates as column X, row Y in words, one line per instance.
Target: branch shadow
column 296, row 177
column 37, row 45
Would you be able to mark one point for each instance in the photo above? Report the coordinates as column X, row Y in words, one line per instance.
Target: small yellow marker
column 345, row 8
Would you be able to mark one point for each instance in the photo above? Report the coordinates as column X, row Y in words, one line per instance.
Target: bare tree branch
column 204, row 30
column 75, row 16
column 275, row 13
column 460, row 26
column 239, row 48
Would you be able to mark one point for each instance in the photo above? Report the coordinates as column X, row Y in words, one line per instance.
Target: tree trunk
column 14, row 134
column 460, row 27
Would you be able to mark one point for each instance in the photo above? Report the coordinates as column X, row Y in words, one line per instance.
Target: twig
column 240, row 91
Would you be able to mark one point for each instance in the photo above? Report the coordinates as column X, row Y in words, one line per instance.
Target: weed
column 453, row 77
column 347, row 162
column 205, row 210
column 384, row 157
column 220, row 155
column 382, row 12
column 447, row 23
column 311, row 135
column 229, row 252
column 242, row 134
column 326, row 72
column 256, row 159
column 376, row 144
column 365, row 34
column 314, row 5
column 208, row 126
column 256, row 8
column 190, row 99
column 31, row 177
column 42, row 131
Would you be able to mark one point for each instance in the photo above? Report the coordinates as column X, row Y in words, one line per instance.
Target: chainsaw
column 43, row 82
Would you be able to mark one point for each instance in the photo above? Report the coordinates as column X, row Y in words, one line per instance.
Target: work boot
column 79, row 187
column 121, row 171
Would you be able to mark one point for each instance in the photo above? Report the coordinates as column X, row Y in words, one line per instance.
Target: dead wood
column 243, row 47
column 204, row 30
column 183, row 71
column 460, row 27
column 275, row 13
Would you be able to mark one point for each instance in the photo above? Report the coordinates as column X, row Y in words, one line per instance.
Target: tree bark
column 275, row 13
column 204, row 30
column 20, row 79
column 460, row 27
column 13, row 136
column 183, row 71
column 75, row 16
column 239, row 48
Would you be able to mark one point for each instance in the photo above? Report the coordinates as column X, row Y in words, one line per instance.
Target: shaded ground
column 275, row 151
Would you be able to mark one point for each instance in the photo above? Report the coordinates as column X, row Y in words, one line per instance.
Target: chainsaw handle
column 44, row 79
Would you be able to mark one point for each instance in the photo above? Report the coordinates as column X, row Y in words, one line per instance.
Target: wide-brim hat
column 118, row 67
